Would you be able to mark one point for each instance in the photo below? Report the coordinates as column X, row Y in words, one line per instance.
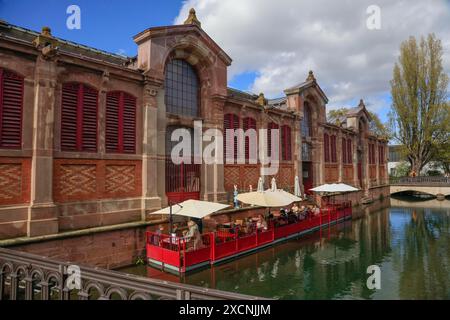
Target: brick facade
column 70, row 173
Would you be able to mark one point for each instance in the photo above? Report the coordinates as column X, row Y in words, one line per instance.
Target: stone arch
column 55, row 286
column 140, row 296
column 114, row 290
column 94, row 286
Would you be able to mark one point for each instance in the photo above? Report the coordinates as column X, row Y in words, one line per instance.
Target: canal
column 409, row 241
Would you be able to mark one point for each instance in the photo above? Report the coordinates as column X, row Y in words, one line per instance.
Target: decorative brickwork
column 231, row 176
column 285, row 177
column 348, row 174
column 14, row 181
column 120, row 178
column 331, row 173
column 76, row 180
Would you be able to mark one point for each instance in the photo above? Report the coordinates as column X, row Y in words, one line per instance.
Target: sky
column 273, row 44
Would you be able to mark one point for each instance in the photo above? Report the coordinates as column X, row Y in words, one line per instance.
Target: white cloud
column 281, row 40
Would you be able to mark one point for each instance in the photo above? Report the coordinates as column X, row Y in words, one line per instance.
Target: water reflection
column 411, row 246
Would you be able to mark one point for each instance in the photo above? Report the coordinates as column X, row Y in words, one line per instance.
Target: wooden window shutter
column 79, row 118
column 344, row 150
column 129, row 123
column 271, row 126
column 120, row 134
column 11, row 105
column 248, row 123
column 349, row 151
column 286, row 143
column 326, row 146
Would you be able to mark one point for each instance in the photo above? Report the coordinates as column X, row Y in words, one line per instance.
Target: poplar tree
column 420, row 115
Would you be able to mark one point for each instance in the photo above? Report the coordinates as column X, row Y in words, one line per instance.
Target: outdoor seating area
column 182, row 252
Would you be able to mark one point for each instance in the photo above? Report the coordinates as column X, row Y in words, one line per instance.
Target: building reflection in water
column 411, row 246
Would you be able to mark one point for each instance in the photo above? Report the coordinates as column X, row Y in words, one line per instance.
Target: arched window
column 79, row 117
column 349, row 151
column 344, row 151
column 11, row 105
column 120, row 135
column 286, row 153
column 333, row 148
column 271, row 126
column 230, row 121
column 326, row 147
column 306, row 121
column 247, row 124
column 181, row 89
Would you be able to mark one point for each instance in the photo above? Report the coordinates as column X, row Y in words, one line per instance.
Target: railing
column 25, row 276
column 424, row 181
column 182, row 254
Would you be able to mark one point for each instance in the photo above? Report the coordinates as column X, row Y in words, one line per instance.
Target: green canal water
column 410, row 243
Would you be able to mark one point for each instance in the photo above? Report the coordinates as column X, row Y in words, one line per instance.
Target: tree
column 420, row 116
column 441, row 159
column 376, row 126
column 402, row 169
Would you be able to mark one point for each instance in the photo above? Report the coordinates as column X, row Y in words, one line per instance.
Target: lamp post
column 170, row 215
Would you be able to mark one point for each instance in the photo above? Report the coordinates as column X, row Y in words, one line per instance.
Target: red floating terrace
column 175, row 254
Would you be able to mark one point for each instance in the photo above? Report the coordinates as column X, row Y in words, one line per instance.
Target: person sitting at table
column 157, row 236
column 295, row 209
column 248, row 225
column 316, row 210
column 292, row 217
column 193, row 235
column 261, row 223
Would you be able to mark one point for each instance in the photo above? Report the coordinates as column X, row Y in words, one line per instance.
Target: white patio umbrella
column 334, row 187
column 296, row 187
column 269, row 198
column 191, row 208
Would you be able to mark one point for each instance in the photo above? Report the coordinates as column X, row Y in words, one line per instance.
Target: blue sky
column 273, row 44
column 106, row 25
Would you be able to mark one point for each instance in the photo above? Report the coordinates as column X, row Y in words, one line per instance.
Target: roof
column 8, row 30
column 355, row 111
column 308, row 83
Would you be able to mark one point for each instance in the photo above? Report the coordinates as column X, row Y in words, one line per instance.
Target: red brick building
column 84, row 133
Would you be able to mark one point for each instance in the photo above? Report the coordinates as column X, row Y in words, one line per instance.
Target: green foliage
column 420, row 117
column 402, row 169
column 139, row 261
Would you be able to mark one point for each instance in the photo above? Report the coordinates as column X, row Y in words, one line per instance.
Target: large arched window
column 120, row 136
column 79, row 117
column 181, row 89
column 306, row 121
column 11, row 101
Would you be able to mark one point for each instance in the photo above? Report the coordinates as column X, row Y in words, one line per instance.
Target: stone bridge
column 435, row 186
